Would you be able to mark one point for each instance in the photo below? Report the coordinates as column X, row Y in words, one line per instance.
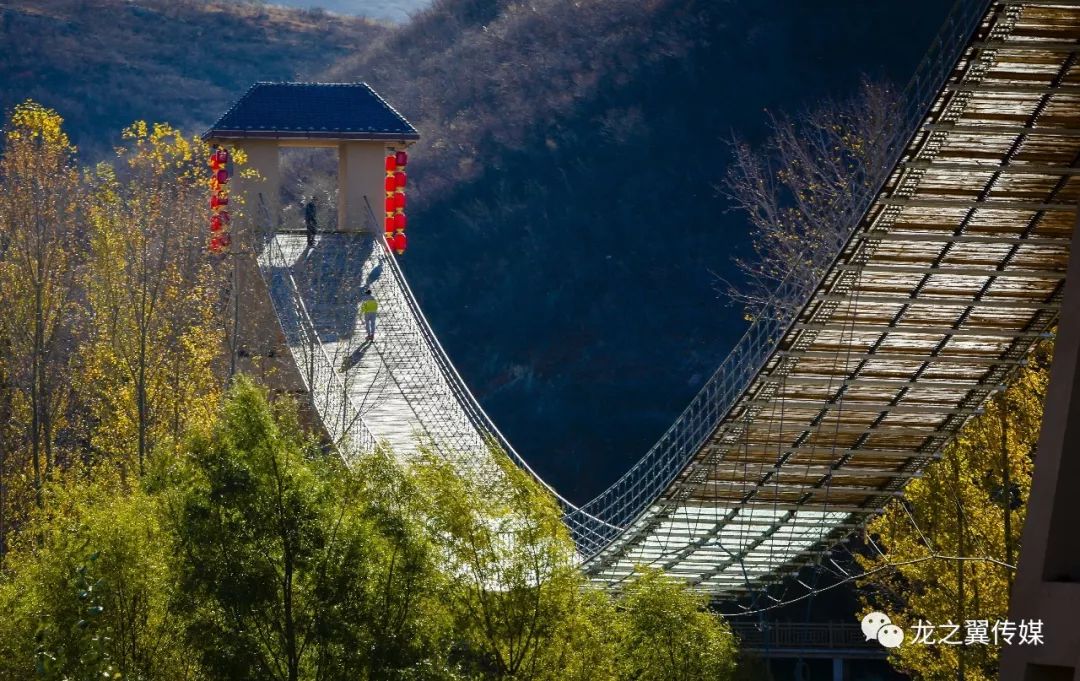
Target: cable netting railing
column 417, row 356
column 446, row 424
column 632, row 494
column 342, row 421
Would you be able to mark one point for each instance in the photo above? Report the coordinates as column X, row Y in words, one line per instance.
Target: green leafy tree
column 89, row 589
column 948, row 549
column 669, row 633
column 590, row 638
column 295, row 567
column 521, row 605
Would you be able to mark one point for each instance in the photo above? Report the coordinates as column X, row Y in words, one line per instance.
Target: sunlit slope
column 105, row 63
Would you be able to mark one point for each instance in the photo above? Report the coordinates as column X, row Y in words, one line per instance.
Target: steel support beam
column 916, row 237
column 1007, row 130
column 1013, row 89
column 919, row 330
column 956, row 271
column 1012, row 168
column 988, row 204
column 939, row 301
column 1031, row 46
column 985, row 362
column 796, row 379
column 761, row 448
column 862, row 407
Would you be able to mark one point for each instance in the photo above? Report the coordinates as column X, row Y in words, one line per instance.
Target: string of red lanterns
column 220, row 238
column 395, row 201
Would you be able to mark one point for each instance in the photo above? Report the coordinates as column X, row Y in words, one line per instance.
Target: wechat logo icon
column 878, row 627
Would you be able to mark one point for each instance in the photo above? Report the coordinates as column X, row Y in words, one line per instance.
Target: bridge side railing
column 774, row 639
column 342, row 421
column 632, row 494
column 588, row 531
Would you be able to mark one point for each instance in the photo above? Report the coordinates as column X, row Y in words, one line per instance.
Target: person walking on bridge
column 369, row 308
column 310, row 222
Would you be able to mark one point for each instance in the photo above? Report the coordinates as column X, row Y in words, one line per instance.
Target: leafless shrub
column 797, row 189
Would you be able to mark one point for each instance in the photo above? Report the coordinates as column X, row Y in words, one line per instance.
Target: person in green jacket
column 369, row 308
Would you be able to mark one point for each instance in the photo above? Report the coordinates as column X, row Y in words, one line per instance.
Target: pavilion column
column 256, row 344
column 360, row 174
column 262, row 195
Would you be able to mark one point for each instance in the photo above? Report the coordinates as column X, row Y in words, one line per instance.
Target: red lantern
column 399, row 221
column 389, row 225
column 217, row 201
column 401, row 158
column 221, row 156
column 399, row 200
column 216, row 223
column 399, row 243
column 399, row 180
column 390, row 203
column 391, row 164
column 391, row 183
column 214, row 163
column 222, row 176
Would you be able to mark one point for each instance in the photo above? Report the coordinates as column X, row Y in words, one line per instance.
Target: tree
column 520, row 602
column 155, row 301
column 948, row 550
column 670, row 634
column 40, row 205
column 290, row 571
column 796, row 190
column 89, row 588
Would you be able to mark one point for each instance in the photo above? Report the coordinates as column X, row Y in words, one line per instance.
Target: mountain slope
column 105, row 63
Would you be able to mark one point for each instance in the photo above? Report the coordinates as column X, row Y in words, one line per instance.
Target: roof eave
column 312, row 134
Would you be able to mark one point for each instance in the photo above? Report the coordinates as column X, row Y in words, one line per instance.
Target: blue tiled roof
column 327, row 110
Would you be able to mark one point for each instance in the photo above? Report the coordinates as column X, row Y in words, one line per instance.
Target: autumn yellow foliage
column 40, row 210
column 153, row 298
column 112, row 332
column 947, row 552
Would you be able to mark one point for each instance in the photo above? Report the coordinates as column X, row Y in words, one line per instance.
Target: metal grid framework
column 950, row 274
column 341, row 419
column 952, row 268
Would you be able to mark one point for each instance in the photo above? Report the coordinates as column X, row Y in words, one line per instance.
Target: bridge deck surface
column 390, row 383
column 949, row 278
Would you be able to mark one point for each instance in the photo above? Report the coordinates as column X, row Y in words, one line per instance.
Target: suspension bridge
column 951, row 266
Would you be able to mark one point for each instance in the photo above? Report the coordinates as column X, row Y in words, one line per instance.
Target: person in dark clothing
column 310, row 222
